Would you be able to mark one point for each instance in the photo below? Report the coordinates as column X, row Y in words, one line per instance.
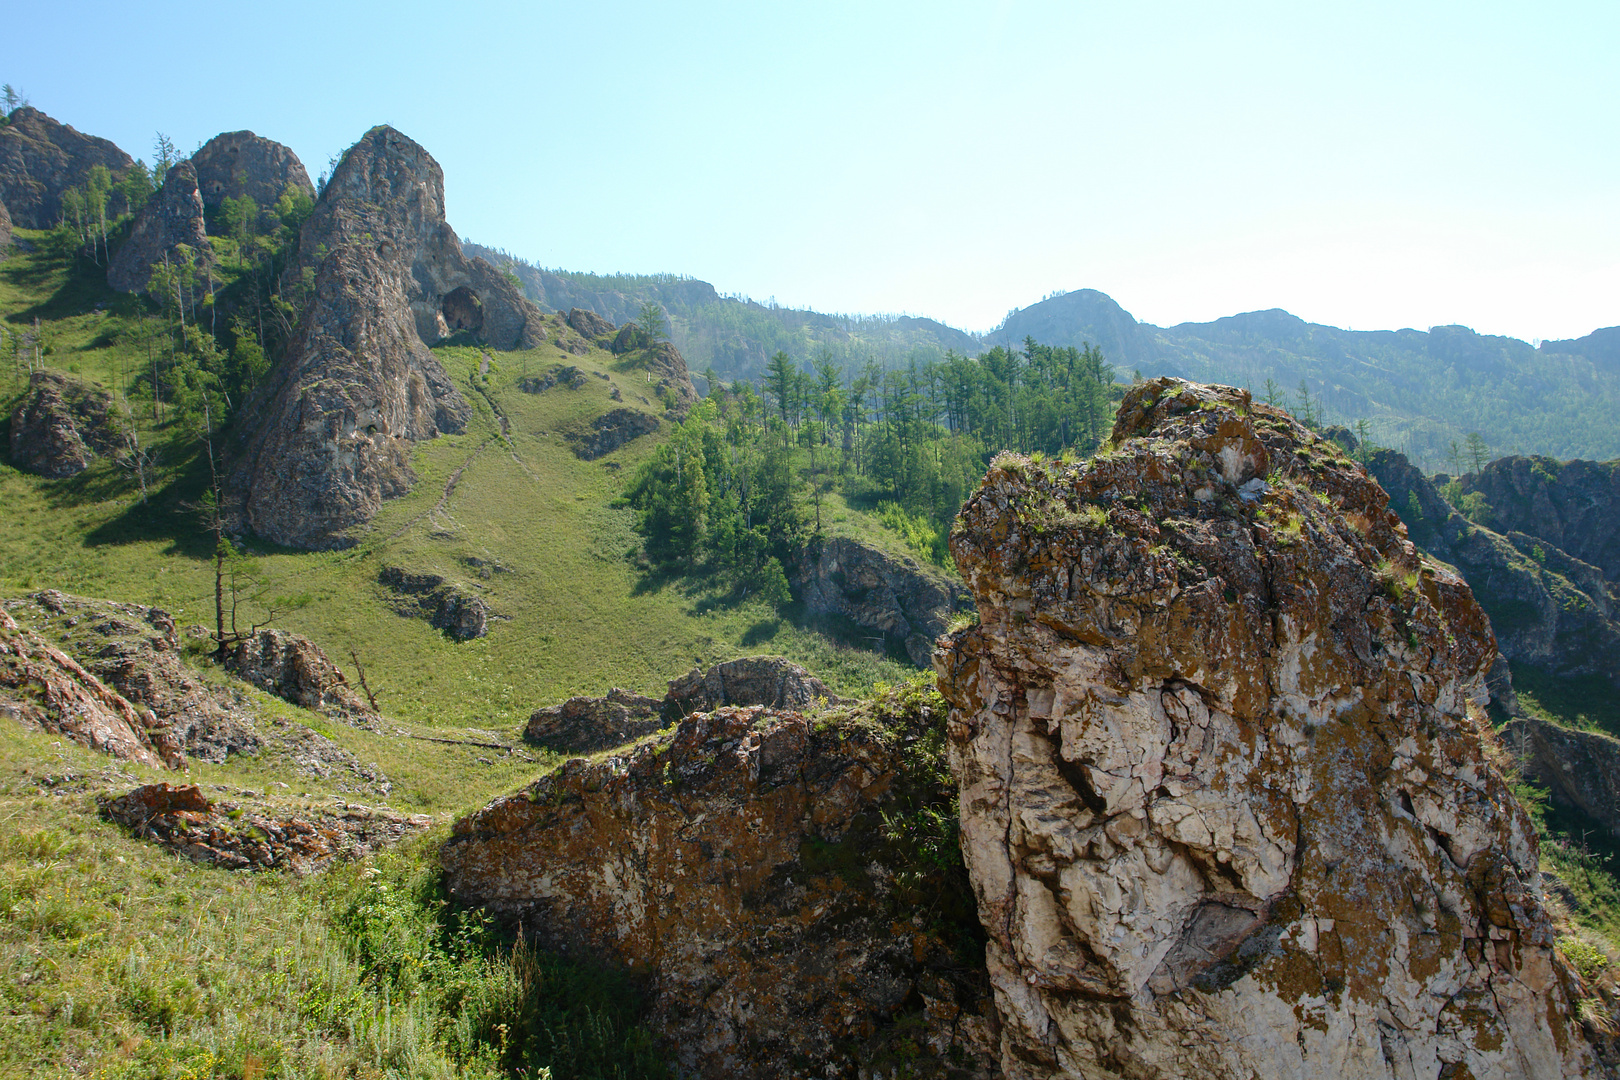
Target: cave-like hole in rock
column 462, row 310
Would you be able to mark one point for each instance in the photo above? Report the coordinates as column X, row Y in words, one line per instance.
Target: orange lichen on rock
column 1224, row 798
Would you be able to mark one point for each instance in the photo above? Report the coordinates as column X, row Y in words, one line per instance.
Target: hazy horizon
column 1378, row 169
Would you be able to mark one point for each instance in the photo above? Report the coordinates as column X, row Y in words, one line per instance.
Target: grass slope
column 576, row 614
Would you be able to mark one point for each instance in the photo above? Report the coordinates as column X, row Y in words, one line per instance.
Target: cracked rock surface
column 1226, row 800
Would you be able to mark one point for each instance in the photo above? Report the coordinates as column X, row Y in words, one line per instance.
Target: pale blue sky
column 1375, row 165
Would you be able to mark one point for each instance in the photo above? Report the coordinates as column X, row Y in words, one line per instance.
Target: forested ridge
column 739, row 486
column 1419, row 390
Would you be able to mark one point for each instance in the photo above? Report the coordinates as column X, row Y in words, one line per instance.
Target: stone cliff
column 358, row 385
column 241, row 164
column 40, row 159
column 1574, row 505
column 787, row 883
column 1226, row 798
column 1548, row 608
column 905, row 602
column 174, row 216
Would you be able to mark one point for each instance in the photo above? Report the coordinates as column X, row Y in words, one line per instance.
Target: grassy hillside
column 525, row 523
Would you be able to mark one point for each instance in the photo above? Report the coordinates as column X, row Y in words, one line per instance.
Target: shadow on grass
column 84, row 285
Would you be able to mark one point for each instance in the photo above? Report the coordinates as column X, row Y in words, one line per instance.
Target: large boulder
column 295, row 669
column 754, row 868
column 898, row 598
column 40, row 159
column 241, row 164
column 60, row 424
column 591, row 325
column 748, row 680
column 1547, row 608
column 172, row 218
column 584, row 725
column 304, row 840
column 358, row 386
column 1225, row 791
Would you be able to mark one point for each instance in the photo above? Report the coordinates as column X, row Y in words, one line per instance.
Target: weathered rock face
column 244, row 837
column 447, row 606
column 1580, row 769
column 295, row 669
column 43, row 687
column 358, row 385
column 387, row 196
column 357, row 389
column 40, row 159
column 612, row 430
column 5, row 231
column 908, row 603
column 1224, row 796
column 135, row 651
column 60, row 425
column 1547, row 608
column 591, row 325
column 173, row 217
column 1574, row 505
column 584, row 725
column 668, row 371
column 240, row 163
column 742, row 864
column 749, row 680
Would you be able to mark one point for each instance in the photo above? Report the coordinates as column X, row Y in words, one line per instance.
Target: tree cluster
column 739, row 488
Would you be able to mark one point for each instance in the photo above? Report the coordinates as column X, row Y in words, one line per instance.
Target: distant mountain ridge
column 736, row 336
column 1420, row 391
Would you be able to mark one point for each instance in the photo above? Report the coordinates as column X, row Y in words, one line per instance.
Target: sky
column 1370, row 165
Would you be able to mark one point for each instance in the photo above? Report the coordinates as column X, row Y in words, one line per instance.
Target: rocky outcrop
column 562, row 375
column 5, row 231
column 295, row 669
column 173, row 217
column 666, row 370
column 358, row 386
column 60, row 424
column 749, row 680
column 612, row 430
column 241, row 836
column 241, row 164
column 1225, row 797
column 1547, row 608
column 765, row 873
column 908, row 603
column 584, row 725
column 446, row 605
column 43, row 687
column 40, row 159
column 590, row 325
column 387, row 196
column 1573, row 505
column 1580, row 769
column 134, row 650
